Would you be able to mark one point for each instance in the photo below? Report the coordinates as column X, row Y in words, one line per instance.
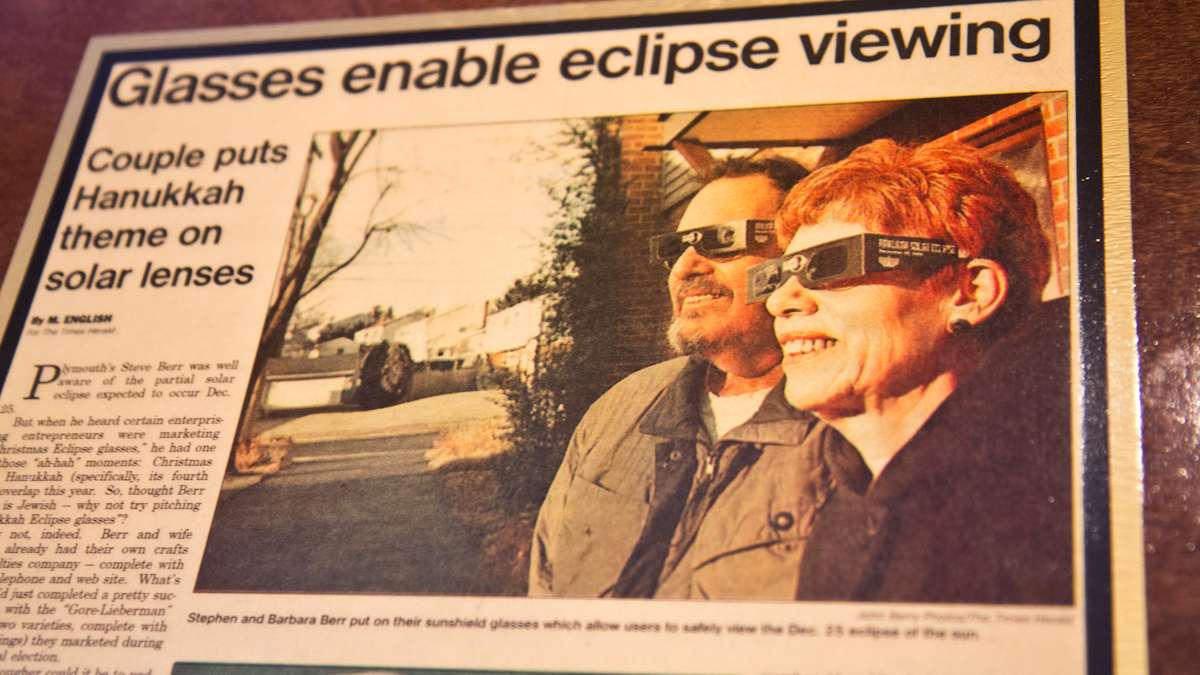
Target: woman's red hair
column 939, row 190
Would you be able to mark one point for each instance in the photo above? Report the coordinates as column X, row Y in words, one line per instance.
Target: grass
column 476, row 499
column 469, row 462
column 262, row 457
column 472, row 444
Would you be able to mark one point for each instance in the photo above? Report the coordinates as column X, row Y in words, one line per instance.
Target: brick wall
column 642, row 326
column 1044, row 117
column 1054, row 117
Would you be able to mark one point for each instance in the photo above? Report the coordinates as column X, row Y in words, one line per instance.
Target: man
column 692, row 478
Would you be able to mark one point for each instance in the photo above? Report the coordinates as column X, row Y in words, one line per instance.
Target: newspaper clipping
column 584, row 340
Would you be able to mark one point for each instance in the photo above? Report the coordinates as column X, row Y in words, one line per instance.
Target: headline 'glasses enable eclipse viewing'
column 715, row 241
column 847, row 259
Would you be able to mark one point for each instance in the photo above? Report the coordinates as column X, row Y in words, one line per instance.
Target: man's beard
column 695, row 341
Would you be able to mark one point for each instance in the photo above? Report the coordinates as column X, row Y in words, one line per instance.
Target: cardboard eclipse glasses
column 847, row 259
column 715, row 241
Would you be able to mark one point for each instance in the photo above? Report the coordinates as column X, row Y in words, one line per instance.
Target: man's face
column 708, row 295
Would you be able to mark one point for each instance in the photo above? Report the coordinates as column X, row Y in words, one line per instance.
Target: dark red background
column 41, row 43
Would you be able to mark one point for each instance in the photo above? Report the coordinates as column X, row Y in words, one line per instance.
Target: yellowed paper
column 304, row 320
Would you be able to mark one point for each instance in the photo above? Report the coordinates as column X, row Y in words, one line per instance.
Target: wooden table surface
column 42, row 41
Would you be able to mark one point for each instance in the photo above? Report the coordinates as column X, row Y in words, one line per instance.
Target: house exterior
column 513, row 327
column 455, row 336
column 300, row 383
column 413, row 334
column 511, row 336
column 371, row 335
column 341, row 345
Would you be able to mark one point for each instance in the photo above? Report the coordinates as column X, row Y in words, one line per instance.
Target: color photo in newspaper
column 743, row 339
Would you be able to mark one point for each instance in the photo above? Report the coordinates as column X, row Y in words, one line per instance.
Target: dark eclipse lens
column 827, row 263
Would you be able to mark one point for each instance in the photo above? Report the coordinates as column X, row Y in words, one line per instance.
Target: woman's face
column 856, row 346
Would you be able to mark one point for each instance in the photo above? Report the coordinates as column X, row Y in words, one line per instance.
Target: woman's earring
column 960, row 326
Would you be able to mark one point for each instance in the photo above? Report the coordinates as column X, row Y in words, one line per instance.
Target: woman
column 908, row 309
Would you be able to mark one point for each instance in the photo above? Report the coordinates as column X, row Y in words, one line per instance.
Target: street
column 353, row 515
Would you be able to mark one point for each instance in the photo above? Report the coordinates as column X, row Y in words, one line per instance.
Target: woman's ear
column 982, row 290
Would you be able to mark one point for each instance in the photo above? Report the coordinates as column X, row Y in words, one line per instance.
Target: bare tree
column 301, row 273
column 310, row 219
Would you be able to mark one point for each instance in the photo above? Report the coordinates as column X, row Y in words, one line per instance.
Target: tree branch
column 372, row 228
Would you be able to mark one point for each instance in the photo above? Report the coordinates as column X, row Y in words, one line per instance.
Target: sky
column 476, row 205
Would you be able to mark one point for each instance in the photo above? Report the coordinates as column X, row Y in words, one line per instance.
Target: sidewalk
column 427, row 415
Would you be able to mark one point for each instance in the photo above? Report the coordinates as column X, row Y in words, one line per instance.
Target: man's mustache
column 700, row 286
